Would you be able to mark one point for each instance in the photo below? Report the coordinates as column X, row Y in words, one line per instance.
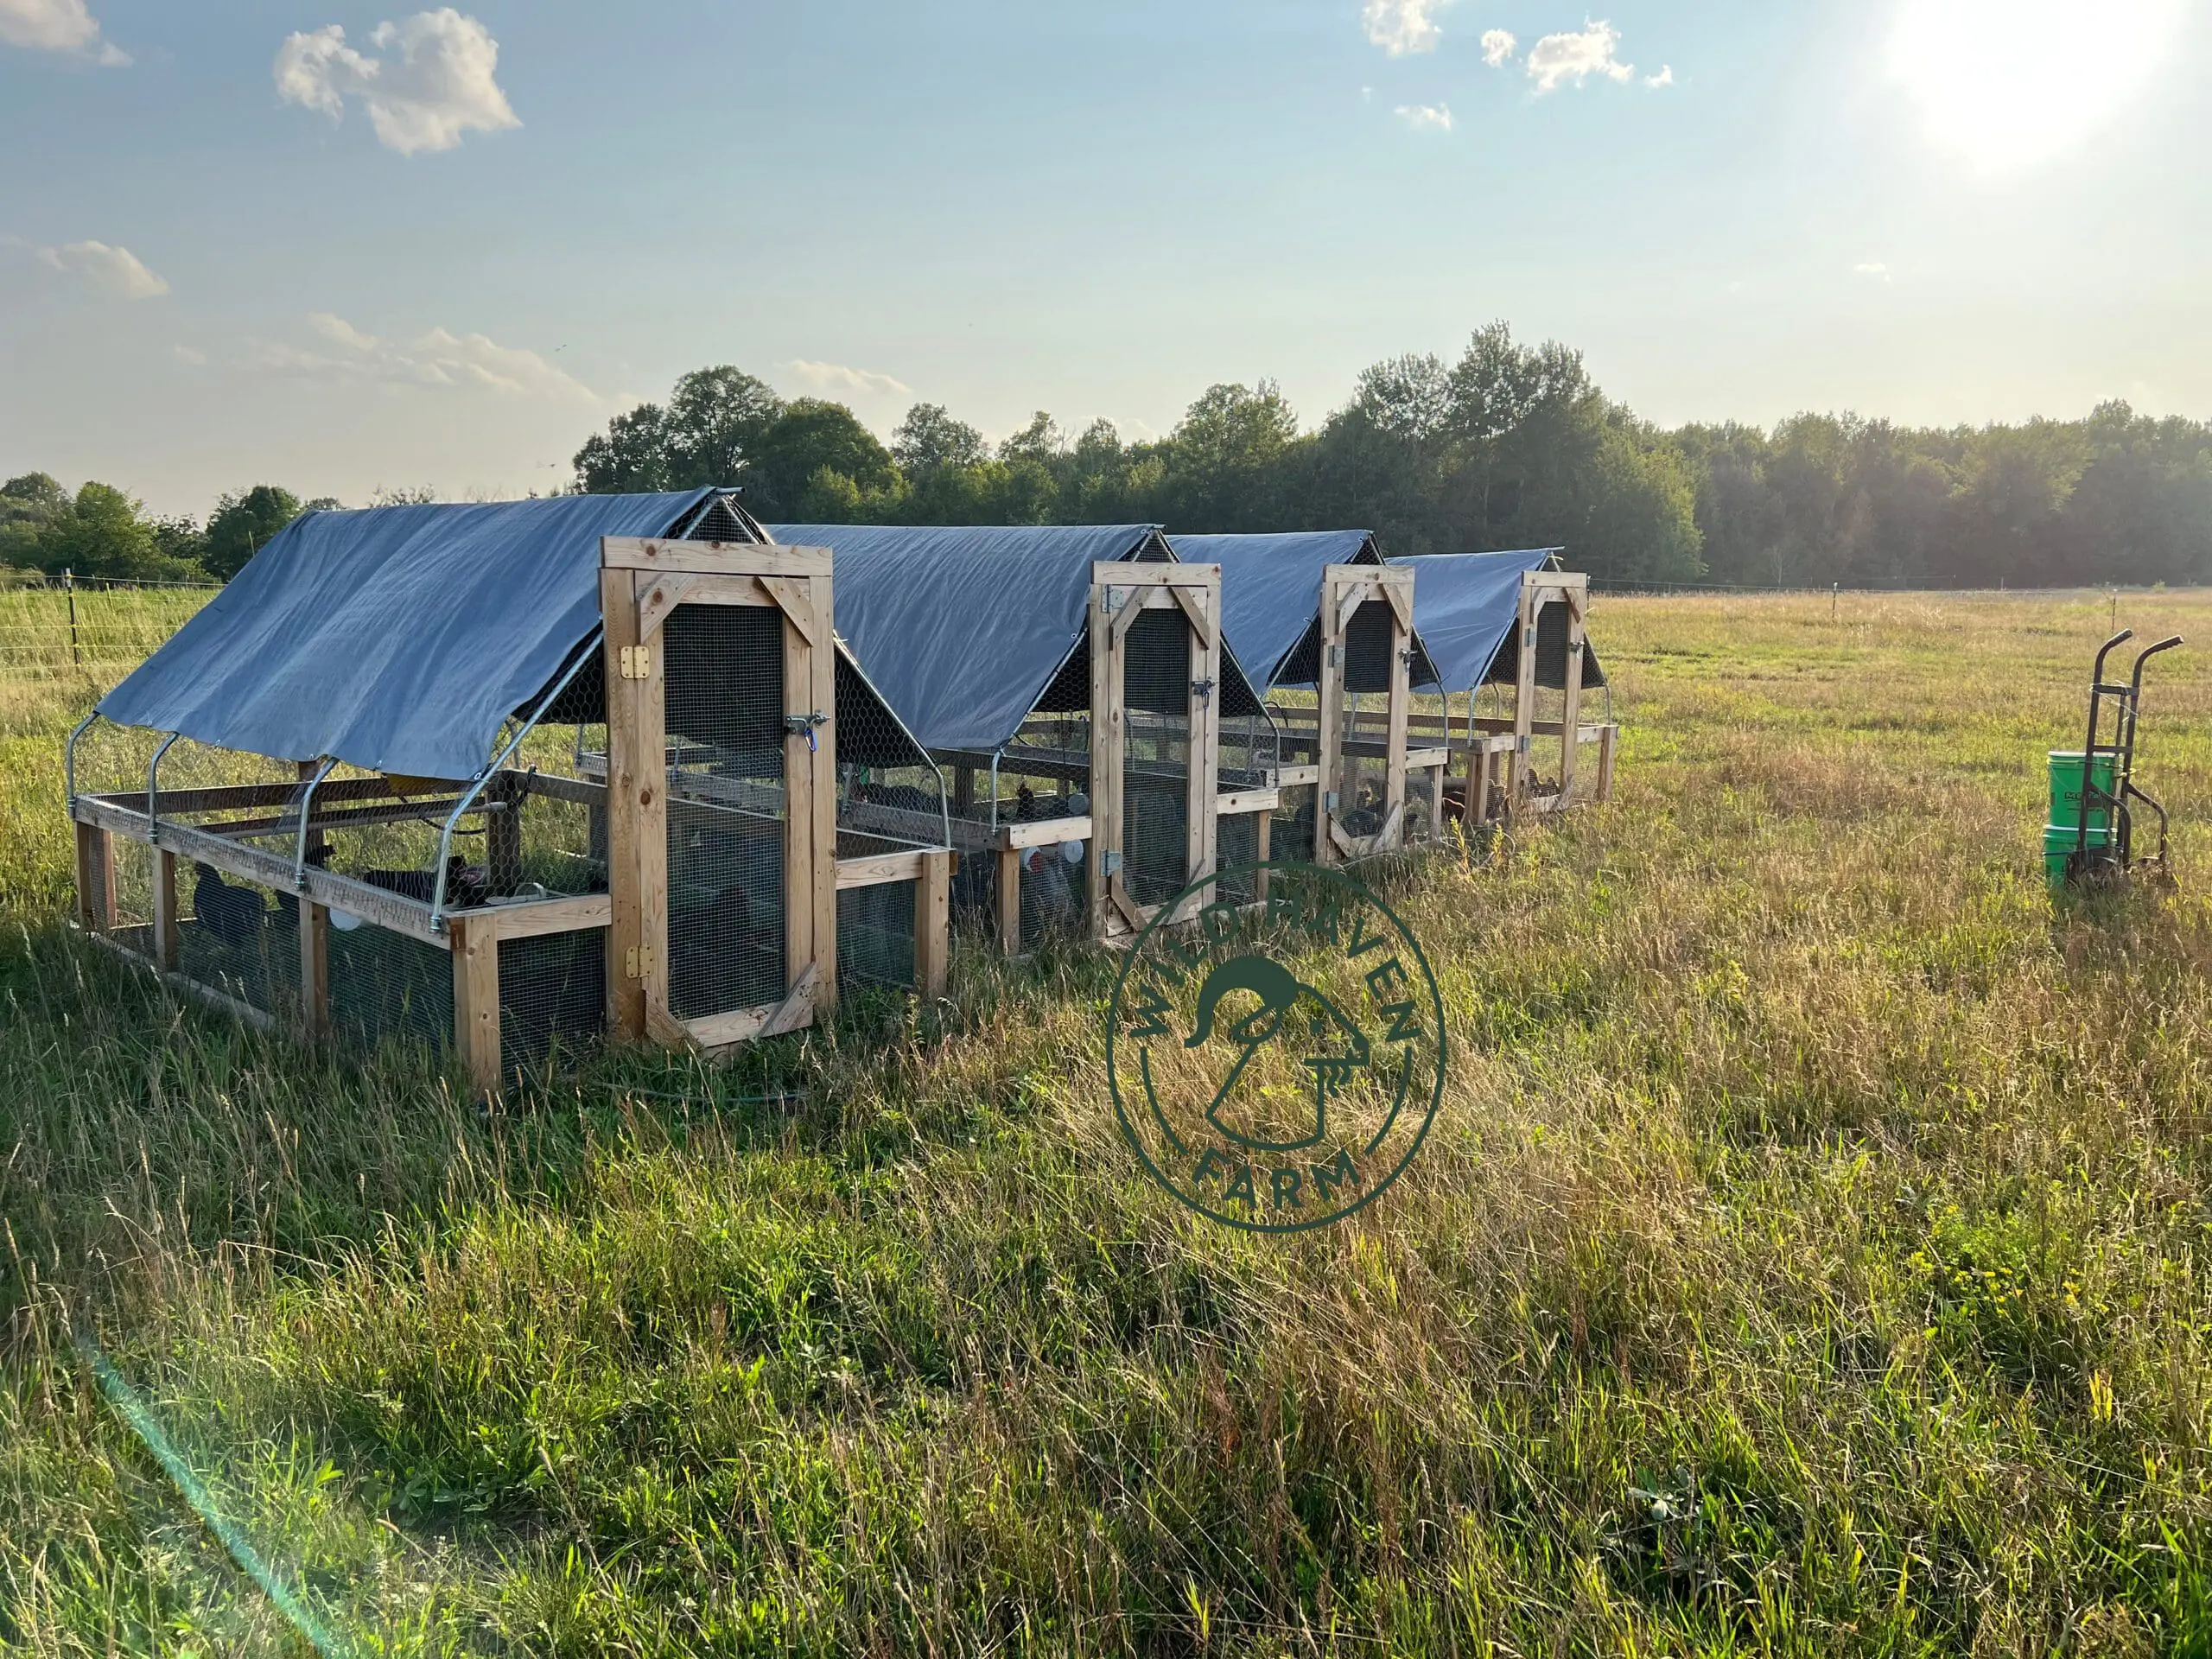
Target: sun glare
column 2006, row 83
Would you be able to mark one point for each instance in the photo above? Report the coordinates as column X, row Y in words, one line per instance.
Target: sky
column 349, row 246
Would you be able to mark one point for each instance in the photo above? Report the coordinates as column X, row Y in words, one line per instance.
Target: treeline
column 99, row 531
column 1508, row 446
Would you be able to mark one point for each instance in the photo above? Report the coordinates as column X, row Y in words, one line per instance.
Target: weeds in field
column 1809, row 1257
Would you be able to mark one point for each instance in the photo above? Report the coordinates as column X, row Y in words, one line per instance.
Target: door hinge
column 637, row 662
column 638, row 961
column 1336, row 656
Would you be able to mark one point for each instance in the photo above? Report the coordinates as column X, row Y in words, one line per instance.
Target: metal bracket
column 637, row 662
column 1110, row 861
column 638, row 961
column 1330, row 801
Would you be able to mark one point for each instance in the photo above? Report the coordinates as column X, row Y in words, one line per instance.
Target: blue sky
column 1937, row 210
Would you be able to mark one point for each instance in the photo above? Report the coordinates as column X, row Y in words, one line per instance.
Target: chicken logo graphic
column 1276, row 1063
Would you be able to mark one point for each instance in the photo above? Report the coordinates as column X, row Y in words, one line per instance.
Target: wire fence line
column 75, row 630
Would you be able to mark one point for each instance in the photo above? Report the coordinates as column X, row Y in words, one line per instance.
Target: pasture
column 1812, row 1255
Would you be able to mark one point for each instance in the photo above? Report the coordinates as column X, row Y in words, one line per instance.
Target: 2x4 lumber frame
column 933, row 924
column 1346, row 590
column 641, row 582
column 372, row 904
column 1119, row 591
column 95, row 878
column 476, row 1005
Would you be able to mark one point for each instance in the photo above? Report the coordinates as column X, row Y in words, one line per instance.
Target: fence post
column 69, row 586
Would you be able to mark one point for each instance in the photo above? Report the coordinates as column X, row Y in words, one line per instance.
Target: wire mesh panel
column 1237, row 840
column 387, row 986
column 1055, row 893
column 1291, row 835
column 552, row 998
column 239, row 938
column 875, row 935
column 1155, row 772
column 727, row 806
column 1362, row 782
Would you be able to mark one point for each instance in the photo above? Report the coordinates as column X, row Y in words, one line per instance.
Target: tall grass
column 1809, row 1257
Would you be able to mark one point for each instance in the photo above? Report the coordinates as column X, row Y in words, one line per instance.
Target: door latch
column 808, row 727
column 1202, row 690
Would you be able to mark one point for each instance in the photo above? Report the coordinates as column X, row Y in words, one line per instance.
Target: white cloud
column 836, row 377
column 440, row 85
column 1664, row 78
column 1426, row 118
column 1872, row 270
column 1558, row 58
column 113, row 270
column 56, row 26
column 1498, row 46
column 192, row 356
column 1402, row 26
column 439, row 360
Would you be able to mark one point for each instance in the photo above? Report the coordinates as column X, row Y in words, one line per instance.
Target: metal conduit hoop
column 69, row 756
column 307, row 808
column 153, row 791
column 583, row 655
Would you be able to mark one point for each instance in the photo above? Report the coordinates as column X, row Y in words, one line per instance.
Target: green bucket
column 2059, row 841
column 2066, row 788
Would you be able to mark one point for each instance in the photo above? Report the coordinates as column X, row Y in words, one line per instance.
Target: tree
column 1225, row 459
column 28, row 505
column 930, row 438
column 808, row 436
column 242, row 523
column 714, row 420
column 104, row 533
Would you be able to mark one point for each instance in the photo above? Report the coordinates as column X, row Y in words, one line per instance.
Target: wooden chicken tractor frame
column 1502, row 778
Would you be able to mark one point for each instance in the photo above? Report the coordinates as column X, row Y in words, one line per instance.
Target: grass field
column 1812, row 1257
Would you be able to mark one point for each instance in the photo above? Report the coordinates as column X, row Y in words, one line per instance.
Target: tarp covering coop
column 398, row 640
column 1271, row 598
column 345, row 802
column 1464, row 607
column 982, row 637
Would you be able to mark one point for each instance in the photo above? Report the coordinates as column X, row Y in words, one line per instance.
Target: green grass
column 1811, row 1256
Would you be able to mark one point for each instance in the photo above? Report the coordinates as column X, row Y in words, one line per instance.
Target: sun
column 2007, row 84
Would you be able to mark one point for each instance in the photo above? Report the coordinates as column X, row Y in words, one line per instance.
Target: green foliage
column 99, row 531
column 242, row 523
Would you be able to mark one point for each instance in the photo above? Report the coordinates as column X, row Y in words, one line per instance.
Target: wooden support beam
column 710, row 558
column 636, row 814
column 1571, row 714
column 476, row 1007
column 542, row 916
column 1201, row 806
column 1266, row 835
column 1329, row 771
column 315, row 970
column 1524, row 693
column 1400, row 706
column 933, row 926
column 168, row 934
column 1007, row 889
column 818, row 759
column 1608, row 744
column 1107, row 752
column 95, row 878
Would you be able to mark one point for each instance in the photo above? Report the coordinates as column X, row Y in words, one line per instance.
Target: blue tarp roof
column 396, row 639
column 963, row 629
column 1271, row 587
column 1465, row 605
column 1271, row 596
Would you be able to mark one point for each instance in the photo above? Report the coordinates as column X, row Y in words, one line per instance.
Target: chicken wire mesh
column 239, row 938
column 1291, row 835
column 388, row 987
column 552, row 998
column 1156, row 759
column 727, row 806
column 1237, row 840
column 875, row 935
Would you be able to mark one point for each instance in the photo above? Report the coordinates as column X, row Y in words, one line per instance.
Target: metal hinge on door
column 637, row 662
column 638, row 961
